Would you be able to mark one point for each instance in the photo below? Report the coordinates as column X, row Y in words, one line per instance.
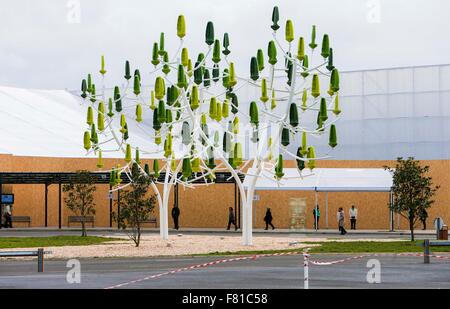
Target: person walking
column 8, row 218
column 3, row 220
column 341, row 221
column 175, row 216
column 423, row 216
column 353, row 214
column 316, row 215
column 268, row 219
column 231, row 219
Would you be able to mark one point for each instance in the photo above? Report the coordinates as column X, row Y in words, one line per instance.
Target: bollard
column 306, row 270
column 40, row 260
column 426, row 251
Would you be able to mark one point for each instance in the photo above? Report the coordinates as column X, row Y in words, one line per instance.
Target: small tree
column 80, row 197
column 135, row 206
column 413, row 190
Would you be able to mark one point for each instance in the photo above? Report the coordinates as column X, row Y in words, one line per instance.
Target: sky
column 53, row 44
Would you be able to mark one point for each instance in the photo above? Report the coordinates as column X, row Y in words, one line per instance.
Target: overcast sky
column 53, row 44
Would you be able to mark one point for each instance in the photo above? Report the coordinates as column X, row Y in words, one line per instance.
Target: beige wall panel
column 207, row 206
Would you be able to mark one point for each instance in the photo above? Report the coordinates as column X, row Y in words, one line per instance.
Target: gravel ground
column 177, row 245
column 152, row 245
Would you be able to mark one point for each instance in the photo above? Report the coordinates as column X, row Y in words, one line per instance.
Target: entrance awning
column 325, row 180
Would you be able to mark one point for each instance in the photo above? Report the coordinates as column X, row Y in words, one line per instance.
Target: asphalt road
column 262, row 273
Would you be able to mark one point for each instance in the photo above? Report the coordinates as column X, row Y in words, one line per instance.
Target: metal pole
column 315, row 211
column 118, row 208
column 40, row 260
column 178, row 194
column 59, row 208
column 239, row 207
column 391, row 214
column 426, row 251
column 235, row 203
column 438, row 227
column 110, row 206
column 175, row 195
column 46, row 205
column 326, row 205
column 254, row 208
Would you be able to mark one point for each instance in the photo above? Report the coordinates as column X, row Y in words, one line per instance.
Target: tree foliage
column 136, row 205
column 413, row 190
column 80, row 197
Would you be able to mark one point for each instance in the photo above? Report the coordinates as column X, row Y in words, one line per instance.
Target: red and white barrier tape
column 253, row 257
column 307, row 261
column 442, row 257
column 321, row 263
column 306, row 256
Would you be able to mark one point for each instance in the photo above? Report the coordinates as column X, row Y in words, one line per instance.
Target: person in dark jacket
column 268, row 219
column 341, row 221
column 8, row 220
column 175, row 216
column 423, row 216
column 316, row 215
column 231, row 219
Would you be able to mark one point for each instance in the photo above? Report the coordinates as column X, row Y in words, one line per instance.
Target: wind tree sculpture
column 194, row 105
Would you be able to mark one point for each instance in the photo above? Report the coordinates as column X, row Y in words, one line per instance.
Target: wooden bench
column 21, row 219
column 79, row 219
column 151, row 221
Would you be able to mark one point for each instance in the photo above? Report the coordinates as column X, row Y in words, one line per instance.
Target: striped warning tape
column 305, row 254
column 442, row 257
column 307, row 261
column 253, row 257
column 323, row 263
column 337, row 261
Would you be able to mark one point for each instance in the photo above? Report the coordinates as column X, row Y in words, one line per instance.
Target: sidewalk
column 53, row 230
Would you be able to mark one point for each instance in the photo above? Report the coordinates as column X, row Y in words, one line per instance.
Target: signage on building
column 8, row 199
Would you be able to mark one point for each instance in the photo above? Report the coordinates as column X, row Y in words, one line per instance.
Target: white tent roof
column 51, row 123
column 326, row 180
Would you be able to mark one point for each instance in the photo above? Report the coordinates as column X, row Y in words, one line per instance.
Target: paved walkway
column 222, row 230
column 42, row 232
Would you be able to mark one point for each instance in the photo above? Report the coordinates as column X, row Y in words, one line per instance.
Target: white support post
column 164, row 229
column 164, row 210
column 160, row 204
column 164, row 218
column 244, row 220
column 247, row 228
column 249, row 240
column 305, row 270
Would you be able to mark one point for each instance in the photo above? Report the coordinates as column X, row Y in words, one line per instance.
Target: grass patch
column 249, row 252
column 345, row 247
column 54, row 241
column 374, row 247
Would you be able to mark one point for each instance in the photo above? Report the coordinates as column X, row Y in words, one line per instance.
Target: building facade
column 387, row 113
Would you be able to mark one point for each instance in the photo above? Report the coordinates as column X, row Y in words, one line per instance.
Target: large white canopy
column 51, row 123
column 325, row 180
